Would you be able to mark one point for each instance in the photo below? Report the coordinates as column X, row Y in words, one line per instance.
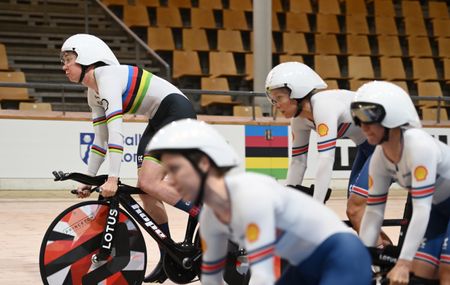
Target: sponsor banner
column 34, row 148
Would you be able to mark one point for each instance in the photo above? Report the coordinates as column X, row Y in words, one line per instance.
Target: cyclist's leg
column 426, row 261
column 341, row 259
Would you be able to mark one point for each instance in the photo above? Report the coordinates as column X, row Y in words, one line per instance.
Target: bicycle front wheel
column 75, row 236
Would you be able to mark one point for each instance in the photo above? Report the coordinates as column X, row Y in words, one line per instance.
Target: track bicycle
column 99, row 242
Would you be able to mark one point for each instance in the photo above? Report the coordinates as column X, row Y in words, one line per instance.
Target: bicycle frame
column 185, row 256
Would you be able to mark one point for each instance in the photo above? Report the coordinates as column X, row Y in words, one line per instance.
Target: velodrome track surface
column 25, row 216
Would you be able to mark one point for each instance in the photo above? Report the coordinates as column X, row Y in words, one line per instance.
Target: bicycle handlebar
column 93, row 181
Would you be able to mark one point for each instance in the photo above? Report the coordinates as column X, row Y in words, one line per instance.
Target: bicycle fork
column 109, row 232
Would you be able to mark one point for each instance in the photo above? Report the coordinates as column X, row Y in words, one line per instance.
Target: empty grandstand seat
column 202, row 18
column 216, row 103
column 135, row 16
column 437, row 10
column 168, row 17
column 419, row 47
column 424, row 69
column 329, row 7
column 160, row 39
column 11, row 93
column 356, row 24
column 195, row 39
column 327, row 66
column 180, row 3
column 228, row 40
column 446, row 69
column 186, row 63
column 326, row 44
column 332, row 84
column 389, row 46
column 411, row 9
column 275, row 23
column 222, row 64
column 3, row 58
column 234, row 20
column 432, row 89
column 249, row 66
column 356, row 83
column 210, row 4
column 294, row 43
column 391, row 68
column 300, row 6
column 242, row 5
column 415, row 27
column 430, row 114
column 289, row 57
column 246, row 111
column 355, row 7
column 444, row 47
column 276, row 6
column 358, row 45
column 297, row 22
column 384, row 8
column 360, row 67
column 28, row 106
column 385, row 26
column 148, row 3
column 327, row 24
column 441, row 27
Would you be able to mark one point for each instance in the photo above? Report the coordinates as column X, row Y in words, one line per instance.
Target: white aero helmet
column 296, row 76
column 89, row 49
column 385, row 103
column 192, row 134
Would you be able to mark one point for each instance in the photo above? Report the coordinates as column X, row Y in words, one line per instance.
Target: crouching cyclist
column 256, row 212
column 416, row 161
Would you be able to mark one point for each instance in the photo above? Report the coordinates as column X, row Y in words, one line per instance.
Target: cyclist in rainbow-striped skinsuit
column 114, row 90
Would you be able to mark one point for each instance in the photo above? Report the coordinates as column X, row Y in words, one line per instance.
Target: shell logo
column 420, row 173
column 322, row 130
column 252, row 232
column 370, row 182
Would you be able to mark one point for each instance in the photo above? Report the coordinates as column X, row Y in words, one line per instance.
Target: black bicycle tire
column 64, row 213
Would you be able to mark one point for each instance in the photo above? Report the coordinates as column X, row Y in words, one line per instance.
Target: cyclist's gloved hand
column 83, row 190
column 109, row 188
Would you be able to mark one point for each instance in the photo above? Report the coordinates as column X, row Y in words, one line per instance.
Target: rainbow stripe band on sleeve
column 151, row 158
column 99, row 120
column 422, row 192
column 115, row 148
column 296, row 151
column 113, row 116
column 213, row 267
column 261, row 253
column 326, row 145
column 137, row 86
column 373, row 200
column 98, row 150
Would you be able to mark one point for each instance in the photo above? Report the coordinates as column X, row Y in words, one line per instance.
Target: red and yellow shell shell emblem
column 370, row 182
column 420, row 173
column 252, row 232
column 322, row 130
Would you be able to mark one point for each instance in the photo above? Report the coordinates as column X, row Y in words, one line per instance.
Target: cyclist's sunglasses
column 367, row 113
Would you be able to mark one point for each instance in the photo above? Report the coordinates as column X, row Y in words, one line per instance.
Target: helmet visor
column 367, row 113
